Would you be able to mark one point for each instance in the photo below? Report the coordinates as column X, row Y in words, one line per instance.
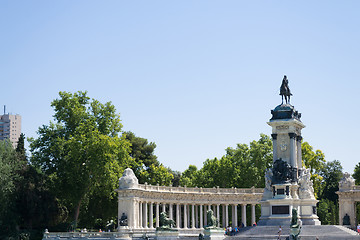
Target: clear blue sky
column 195, row 77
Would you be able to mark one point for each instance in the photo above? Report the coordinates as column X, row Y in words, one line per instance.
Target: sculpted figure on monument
column 306, row 189
column 165, row 222
column 347, row 182
column 123, row 220
column 295, row 226
column 285, row 90
column 268, row 177
column 128, row 179
column 281, row 172
column 212, row 220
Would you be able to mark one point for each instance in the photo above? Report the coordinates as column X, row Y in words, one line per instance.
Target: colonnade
column 143, row 203
column 192, row 216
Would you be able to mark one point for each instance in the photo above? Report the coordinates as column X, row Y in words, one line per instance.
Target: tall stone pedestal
column 288, row 184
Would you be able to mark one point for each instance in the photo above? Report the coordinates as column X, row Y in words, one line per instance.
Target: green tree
column 243, row 166
column 81, row 152
column 20, row 149
column 356, row 174
column 331, row 173
column 145, row 164
column 8, row 176
column 188, row 177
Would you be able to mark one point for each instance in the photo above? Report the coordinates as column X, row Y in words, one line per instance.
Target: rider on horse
column 285, row 91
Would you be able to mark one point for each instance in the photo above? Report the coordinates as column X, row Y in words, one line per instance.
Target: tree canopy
column 82, row 150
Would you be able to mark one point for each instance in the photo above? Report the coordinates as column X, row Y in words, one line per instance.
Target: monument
column 287, row 184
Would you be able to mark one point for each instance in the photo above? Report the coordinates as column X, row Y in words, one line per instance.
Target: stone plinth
column 167, row 235
column 214, row 234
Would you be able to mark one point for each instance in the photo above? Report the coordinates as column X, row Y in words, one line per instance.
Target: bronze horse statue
column 285, row 91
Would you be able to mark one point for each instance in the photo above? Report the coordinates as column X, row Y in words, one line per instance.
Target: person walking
column 358, row 228
column 279, row 232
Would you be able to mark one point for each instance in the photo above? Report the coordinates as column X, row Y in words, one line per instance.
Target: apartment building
column 10, row 128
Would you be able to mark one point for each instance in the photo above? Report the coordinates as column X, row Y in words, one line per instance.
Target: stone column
column 157, row 215
column 205, row 215
column 253, row 219
column 145, row 215
column 197, row 216
column 188, row 215
column 299, row 157
column 274, row 137
column 226, row 215
column 140, row 215
column 185, row 216
column 171, row 211
column 243, row 219
column 151, row 215
column 223, row 216
column 235, row 216
column 193, row 216
column 177, row 216
column 293, row 161
column 232, row 216
column 201, row 216
column 164, row 207
column 218, row 214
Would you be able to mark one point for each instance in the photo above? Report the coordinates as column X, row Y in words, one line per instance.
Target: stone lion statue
column 211, row 219
column 165, row 223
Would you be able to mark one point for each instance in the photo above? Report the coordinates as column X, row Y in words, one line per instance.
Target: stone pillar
column 157, row 215
column 177, row 216
column 201, row 216
column 274, row 137
column 226, row 215
column 185, row 216
column 145, row 215
column 188, row 216
column 171, row 211
column 140, row 215
column 235, row 216
column 193, row 216
column 293, row 161
column 223, row 216
column 253, row 219
column 232, row 216
column 164, row 207
column 197, row 216
column 151, row 215
column 243, row 219
column 218, row 214
column 299, row 157
column 205, row 216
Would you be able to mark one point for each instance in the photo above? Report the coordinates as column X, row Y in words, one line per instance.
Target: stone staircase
column 308, row 232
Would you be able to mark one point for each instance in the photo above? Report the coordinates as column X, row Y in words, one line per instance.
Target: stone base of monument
column 277, row 211
column 166, row 235
column 214, row 234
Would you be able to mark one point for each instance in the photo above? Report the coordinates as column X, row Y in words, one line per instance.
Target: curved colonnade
column 142, row 204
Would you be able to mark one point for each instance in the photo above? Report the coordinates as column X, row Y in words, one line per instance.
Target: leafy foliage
column 82, row 152
column 243, row 166
column 8, row 177
column 145, row 164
